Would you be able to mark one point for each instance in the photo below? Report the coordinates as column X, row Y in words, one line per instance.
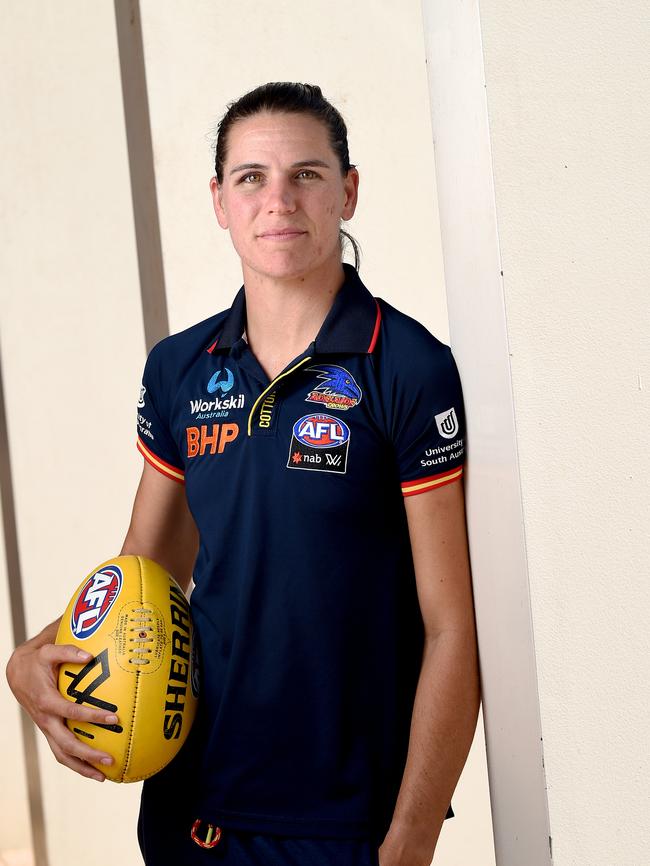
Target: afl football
column 134, row 620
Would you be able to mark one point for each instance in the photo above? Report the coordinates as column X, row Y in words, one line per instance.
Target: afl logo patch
column 447, row 423
column 321, row 431
column 94, row 601
column 320, row 443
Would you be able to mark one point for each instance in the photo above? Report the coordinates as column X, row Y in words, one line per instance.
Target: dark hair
column 292, row 98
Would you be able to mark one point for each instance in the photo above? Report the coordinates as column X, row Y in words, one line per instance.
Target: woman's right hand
column 32, row 674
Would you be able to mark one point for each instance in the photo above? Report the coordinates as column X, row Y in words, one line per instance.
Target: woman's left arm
column 448, row 693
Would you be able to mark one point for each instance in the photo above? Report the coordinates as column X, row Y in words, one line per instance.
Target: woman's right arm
column 161, row 529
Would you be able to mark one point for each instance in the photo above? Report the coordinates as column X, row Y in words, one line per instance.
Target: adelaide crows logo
column 337, row 389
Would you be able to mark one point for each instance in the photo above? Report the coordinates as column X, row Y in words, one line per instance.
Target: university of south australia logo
column 96, row 598
column 447, row 423
column 217, row 383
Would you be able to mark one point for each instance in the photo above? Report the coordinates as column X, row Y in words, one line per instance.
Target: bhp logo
column 199, row 440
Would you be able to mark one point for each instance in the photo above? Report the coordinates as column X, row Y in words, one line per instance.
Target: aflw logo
column 447, row 423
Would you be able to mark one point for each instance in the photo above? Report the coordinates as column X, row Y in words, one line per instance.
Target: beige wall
column 567, row 90
column 72, row 349
column 72, row 337
column 369, row 60
column 14, row 811
column 541, row 129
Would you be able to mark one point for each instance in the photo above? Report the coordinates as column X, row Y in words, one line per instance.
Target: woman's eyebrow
column 316, row 162
column 247, row 165
column 257, row 166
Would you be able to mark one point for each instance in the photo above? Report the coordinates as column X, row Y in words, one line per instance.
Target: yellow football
column 134, row 619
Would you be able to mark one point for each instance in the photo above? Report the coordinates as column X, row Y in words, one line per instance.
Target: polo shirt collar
column 351, row 326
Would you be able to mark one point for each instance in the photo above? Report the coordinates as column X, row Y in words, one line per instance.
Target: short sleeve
column 155, row 441
column 429, row 422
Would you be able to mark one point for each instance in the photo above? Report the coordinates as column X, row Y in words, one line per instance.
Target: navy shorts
column 166, row 842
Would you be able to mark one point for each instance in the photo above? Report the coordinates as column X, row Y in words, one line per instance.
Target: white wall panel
column 566, row 158
column 495, row 521
column 567, row 89
column 15, row 832
column 72, row 346
column 369, row 60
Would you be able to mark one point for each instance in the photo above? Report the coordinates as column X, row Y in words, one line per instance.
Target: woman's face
column 283, row 196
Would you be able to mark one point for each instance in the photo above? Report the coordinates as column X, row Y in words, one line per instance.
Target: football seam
column 168, row 760
column 152, row 773
column 137, row 689
column 127, row 757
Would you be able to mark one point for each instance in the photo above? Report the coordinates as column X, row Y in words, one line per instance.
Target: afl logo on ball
column 321, row 431
column 94, row 601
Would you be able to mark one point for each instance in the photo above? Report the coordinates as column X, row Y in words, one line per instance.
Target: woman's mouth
column 282, row 234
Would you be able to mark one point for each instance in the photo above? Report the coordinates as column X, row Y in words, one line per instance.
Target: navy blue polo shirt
column 305, row 600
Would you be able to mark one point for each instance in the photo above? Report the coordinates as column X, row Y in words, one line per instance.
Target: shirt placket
column 262, row 418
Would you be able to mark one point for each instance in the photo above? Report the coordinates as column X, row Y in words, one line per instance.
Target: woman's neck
column 284, row 317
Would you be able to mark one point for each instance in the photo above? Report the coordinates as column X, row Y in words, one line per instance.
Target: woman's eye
column 306, row 173
column 253, row 177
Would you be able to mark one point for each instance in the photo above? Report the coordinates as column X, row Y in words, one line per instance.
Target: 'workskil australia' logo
column 319, row 442
column 95, row 599
column 337, row 388
column 216, row 383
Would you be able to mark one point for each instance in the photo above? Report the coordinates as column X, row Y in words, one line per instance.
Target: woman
column 303, row 461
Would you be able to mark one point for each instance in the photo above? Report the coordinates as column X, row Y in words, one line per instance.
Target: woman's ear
column 217, row 202
column 351, row 187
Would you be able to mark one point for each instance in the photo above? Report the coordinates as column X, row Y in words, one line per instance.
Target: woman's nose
column 280, row 196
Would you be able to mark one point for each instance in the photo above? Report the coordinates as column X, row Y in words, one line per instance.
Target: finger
column 54, row 653
column 53, row 703
column 69, row 743
column 75, row 764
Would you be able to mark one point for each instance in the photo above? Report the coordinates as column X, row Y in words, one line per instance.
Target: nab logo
column 216, row 384
column 95, row 600
column 321, row 431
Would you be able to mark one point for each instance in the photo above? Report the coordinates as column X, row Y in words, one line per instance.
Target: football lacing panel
column 143, row 637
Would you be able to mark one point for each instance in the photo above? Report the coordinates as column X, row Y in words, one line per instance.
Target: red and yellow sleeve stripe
column 165, row 468
column 421, row 485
